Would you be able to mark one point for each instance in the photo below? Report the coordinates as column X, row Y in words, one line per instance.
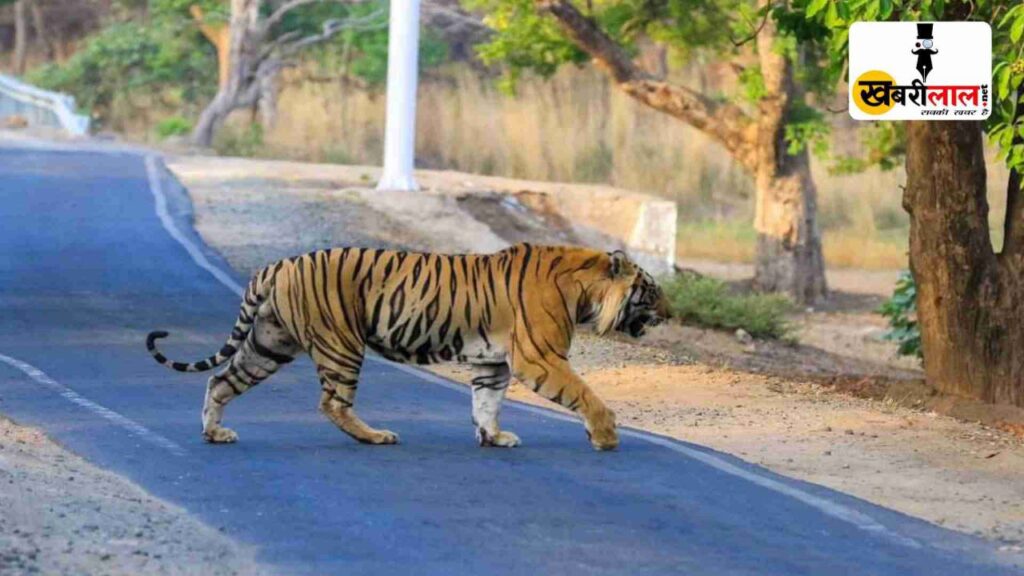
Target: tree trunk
column 970, row 301
column 211, row 119
column 241, row 71
column 220, row 36
column 267, row 102
column 39, row 24
column 20, row 37
column 789, row 257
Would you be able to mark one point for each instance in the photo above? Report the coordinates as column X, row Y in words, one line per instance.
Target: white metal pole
column 400, row 124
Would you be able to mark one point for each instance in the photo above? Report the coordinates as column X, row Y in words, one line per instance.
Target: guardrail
column 40, row 107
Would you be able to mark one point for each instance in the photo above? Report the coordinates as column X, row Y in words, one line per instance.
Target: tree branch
column 727, row 123
column 277, row 15
column 332, row 28
column 447, row 17
column 737, row 43
column 282, row 10
column 211, row 32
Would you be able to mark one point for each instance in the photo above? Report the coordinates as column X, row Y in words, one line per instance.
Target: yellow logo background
column 872, row 76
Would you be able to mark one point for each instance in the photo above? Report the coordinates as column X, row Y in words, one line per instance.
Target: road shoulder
column 62, row 515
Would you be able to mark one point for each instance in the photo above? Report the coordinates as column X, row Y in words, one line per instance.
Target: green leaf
column 1010, row 14
column 1003, row 82
column 885, row 10
column 1017, row 29
column 815, row 6
column 832, row 15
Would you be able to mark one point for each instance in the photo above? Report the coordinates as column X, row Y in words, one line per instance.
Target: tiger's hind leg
column 267, row 348
column 489, row 384
column 339, row 380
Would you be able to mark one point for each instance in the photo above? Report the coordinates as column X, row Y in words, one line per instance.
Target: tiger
column 508, row 313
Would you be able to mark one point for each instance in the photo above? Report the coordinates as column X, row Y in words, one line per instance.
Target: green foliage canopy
column 1006, row 17
column 525, row 40
column 132, row 58
column 359, row 52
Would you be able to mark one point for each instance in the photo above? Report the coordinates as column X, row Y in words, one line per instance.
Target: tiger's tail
column 255, row 293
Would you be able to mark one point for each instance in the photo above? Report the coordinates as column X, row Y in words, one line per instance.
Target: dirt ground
column 62, row 515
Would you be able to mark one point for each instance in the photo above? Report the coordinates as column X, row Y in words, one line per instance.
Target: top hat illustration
column 924, row 31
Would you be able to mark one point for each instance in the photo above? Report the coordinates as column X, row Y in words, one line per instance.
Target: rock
column 743, row 336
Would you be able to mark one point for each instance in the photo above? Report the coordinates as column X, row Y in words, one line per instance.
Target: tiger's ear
column 620, row 264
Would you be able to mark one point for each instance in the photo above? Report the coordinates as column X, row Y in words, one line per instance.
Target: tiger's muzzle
column 636, row 322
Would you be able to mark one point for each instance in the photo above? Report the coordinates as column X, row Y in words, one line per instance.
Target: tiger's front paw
column 601, row 430
column 503, row 439
column 605, row 441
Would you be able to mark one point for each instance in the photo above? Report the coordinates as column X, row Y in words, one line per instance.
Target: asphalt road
column 87, row 267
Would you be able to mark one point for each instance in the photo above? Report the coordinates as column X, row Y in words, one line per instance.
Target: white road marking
column 834, row 509
column 194, row 251
column 828, row 507
column 129, row 425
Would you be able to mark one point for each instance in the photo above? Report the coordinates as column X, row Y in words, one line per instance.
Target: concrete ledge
column 515, row 210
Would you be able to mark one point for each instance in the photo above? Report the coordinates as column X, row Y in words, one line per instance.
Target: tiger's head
column 631, row 300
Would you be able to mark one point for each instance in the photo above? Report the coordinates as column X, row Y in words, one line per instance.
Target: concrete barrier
column 544, row 212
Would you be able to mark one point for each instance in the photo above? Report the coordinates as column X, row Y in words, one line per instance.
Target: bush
column 130, row 60
column 708, row 302
column 901, row 310
column 173, row 126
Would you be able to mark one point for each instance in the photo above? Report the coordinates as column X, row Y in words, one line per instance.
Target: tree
column 261, row 45
column 129, row 63
column 20, row 54
column 542, row 34
column 218, row 33
column 970, row 298
column 42, row 36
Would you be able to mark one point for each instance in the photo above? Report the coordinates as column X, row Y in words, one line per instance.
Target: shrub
column 710, row 303
column 128, row 60
column 901, row 310
column 173, row 126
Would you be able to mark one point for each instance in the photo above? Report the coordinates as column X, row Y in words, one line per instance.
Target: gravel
column 62, row 515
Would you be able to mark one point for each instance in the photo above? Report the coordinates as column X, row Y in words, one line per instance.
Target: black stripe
column 268, row 353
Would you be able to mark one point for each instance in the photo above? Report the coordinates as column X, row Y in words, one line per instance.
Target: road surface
column 97, row 249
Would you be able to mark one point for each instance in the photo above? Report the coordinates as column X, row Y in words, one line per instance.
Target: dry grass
column 573, row 128
column 851, row 249
column 734, row 241
column 576, row 127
